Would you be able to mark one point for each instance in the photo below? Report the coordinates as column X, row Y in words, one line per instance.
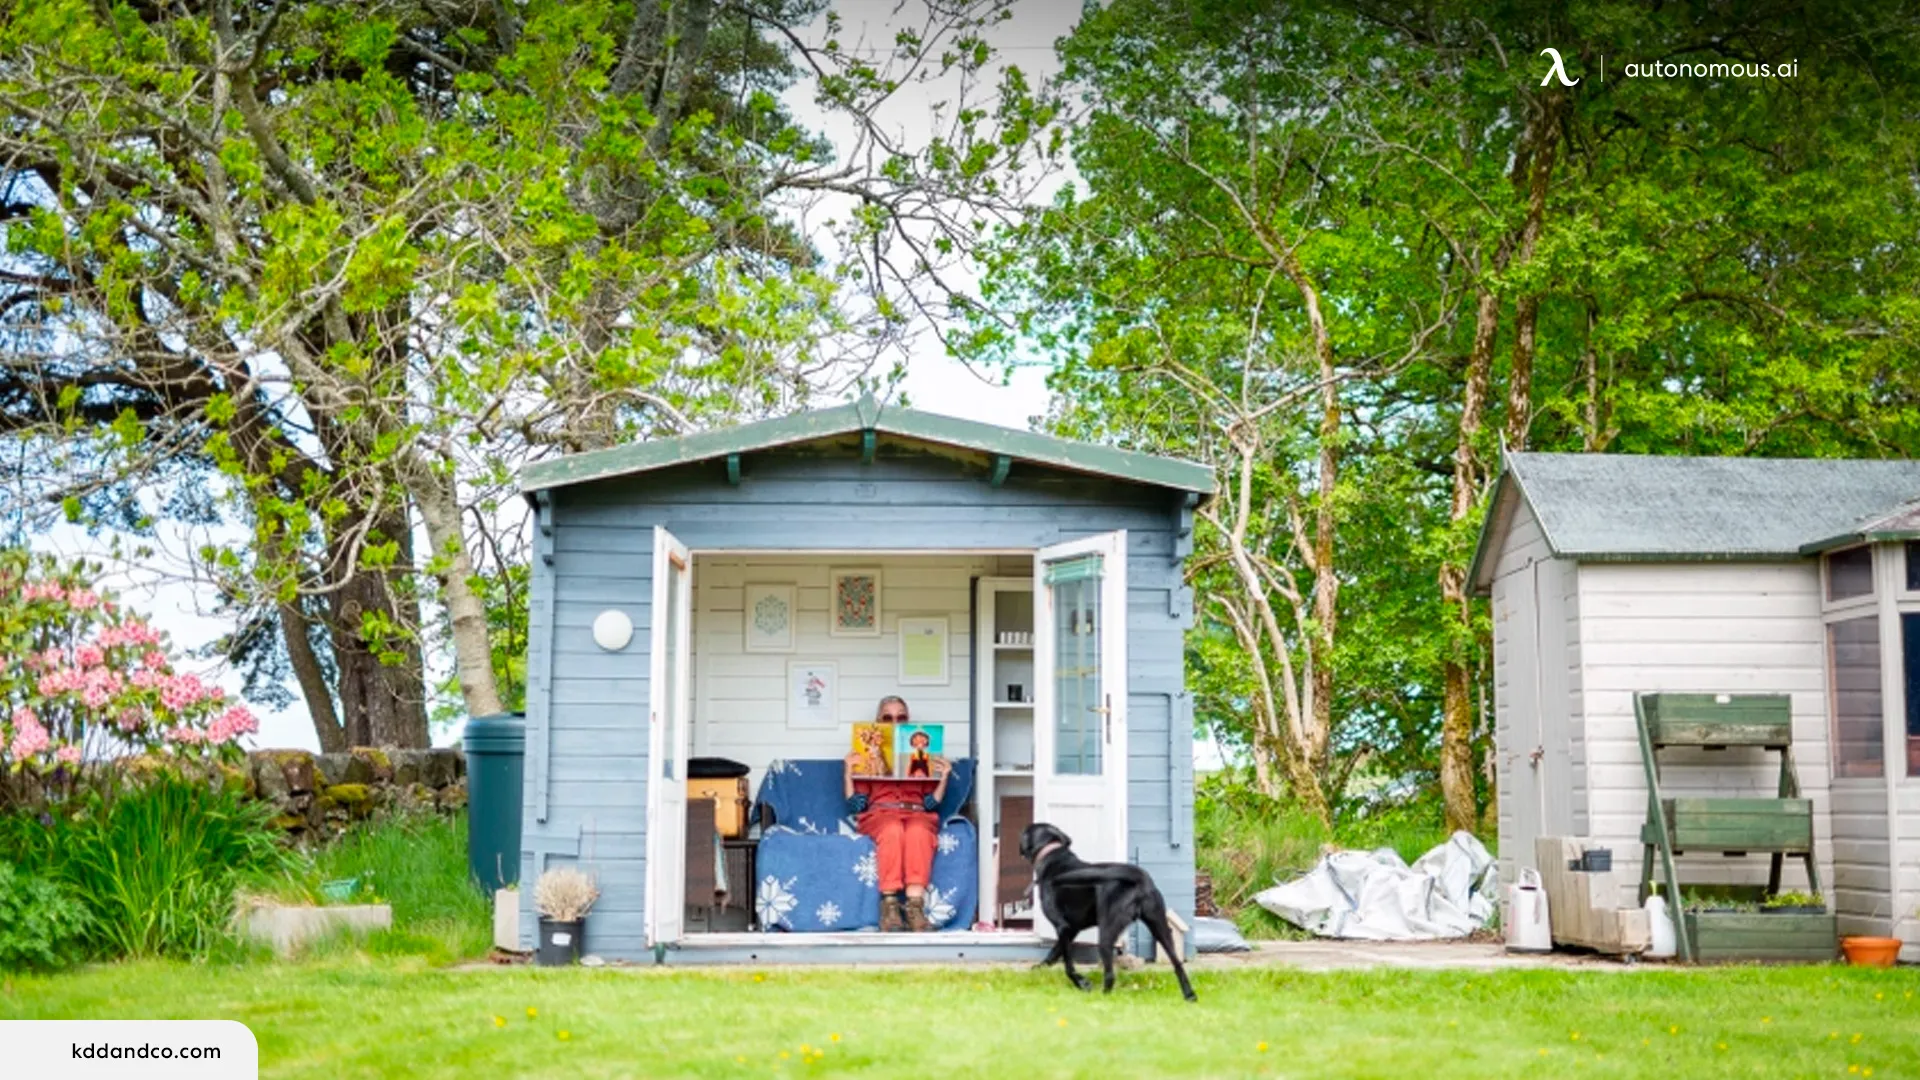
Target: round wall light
column 612, row 630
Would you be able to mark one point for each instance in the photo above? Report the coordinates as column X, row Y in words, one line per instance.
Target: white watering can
column 1664, row 944
column 1527, row 928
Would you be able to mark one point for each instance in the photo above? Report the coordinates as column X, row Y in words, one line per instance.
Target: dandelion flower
column 1576, row 1036
column 1853, row 1068
column 1063, row 1021
column 1543, row 1051
column 532, row 1012
column 759, row 978
column 741, row 1058
column 1868, row 1071
column 1673, row 1029
column 1766, row 1019
column 499, row 1021
column 805, row 1049
column 1262, row 1047
column 1856, row 1036
column 1719, row 1046
column 835, row 1038
column 784, row 1055
column 1880, row 997
column 565, row 1035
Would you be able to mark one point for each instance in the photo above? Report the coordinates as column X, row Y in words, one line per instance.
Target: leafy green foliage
column 157, row 866
column 418, row 864
column 42, row 925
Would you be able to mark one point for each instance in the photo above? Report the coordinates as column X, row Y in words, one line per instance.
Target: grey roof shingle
column 1643, row 507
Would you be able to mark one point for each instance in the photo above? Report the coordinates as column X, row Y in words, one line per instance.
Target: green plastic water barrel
column 496, row 748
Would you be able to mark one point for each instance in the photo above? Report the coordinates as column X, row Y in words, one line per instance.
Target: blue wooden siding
column 587, row 709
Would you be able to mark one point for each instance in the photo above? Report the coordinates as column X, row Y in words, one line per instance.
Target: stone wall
column 319, row 794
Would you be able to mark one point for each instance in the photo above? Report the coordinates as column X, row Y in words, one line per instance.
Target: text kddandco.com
column 1661, row 69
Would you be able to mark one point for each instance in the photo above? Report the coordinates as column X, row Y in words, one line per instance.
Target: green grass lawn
column 396, row 1017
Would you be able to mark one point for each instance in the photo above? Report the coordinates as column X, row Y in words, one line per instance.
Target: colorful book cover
column 914, row 748
column 874, row 742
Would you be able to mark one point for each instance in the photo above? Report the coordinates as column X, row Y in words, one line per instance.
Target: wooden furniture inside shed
column 1778, row 827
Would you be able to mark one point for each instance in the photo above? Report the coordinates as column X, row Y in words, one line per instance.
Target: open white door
column 1080, row 695
column 667, row 724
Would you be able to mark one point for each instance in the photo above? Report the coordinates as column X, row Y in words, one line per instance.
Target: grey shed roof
column 868, row 415
column 1629, row 507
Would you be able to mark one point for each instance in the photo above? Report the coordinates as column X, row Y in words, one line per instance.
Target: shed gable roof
column 868, row 415
column 1635, row 507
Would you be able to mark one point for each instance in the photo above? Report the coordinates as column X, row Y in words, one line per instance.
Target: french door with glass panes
column 1080, row 694
column 667, row 723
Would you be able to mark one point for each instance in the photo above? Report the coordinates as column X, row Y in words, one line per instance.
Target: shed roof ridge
column 867, row 414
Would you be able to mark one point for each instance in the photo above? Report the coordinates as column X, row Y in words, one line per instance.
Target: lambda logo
column 1559, row 68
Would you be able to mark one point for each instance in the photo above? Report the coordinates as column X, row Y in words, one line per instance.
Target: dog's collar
column 1045, row 851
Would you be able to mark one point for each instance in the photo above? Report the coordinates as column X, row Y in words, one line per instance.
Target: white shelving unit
column 1004, row 725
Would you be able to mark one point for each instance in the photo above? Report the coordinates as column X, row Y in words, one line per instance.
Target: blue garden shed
column 746, row 595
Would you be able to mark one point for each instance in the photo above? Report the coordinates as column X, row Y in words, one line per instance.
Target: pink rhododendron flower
column 90, row 656
column 69, row 755
column 181, row 691
column 29, row 738
column 155, row 660
column 95, row 697
column 146, row 679
column 131, row 721
column 83, row 599
column 236, row 721
column 24, row 715
column 185, row 735
column 43, row 590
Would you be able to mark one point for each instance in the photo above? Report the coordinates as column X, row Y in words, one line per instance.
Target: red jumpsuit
column 903, row 833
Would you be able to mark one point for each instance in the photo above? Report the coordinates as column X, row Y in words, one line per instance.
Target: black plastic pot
column 1597, row 860
column 559, row 942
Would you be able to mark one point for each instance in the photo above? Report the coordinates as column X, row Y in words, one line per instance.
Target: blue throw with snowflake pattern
column 817, row 873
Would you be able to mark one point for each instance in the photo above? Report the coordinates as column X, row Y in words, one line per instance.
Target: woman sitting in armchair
column 899, row 816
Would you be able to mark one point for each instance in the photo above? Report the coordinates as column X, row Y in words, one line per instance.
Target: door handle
column 1107, row 712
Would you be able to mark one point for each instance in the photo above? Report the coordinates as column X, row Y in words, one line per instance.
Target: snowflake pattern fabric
column 939, row 906
column 868, row 869
column 776, row 900
column 948, row 843
column 828, row 914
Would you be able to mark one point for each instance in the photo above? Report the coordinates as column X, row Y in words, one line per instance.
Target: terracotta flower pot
column 1871, row 951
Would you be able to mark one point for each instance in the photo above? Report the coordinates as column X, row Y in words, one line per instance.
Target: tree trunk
column 381, row 704
column 472, row 648
column 1456, row 699
column 1539, row 174
column 1326, row 583
column 294, row 631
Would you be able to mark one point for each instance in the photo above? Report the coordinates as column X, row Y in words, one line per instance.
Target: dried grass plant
column 564, row 894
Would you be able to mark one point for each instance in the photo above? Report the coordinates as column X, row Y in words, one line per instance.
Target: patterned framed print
column 855, row 598
column 769, row 618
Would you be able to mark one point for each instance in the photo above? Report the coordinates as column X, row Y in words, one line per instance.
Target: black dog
column 1076, row 894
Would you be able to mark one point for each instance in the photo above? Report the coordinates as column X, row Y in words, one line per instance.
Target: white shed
column 1612, row 574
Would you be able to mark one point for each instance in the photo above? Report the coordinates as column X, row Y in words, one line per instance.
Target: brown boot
column 917, row 915
column 890, row 920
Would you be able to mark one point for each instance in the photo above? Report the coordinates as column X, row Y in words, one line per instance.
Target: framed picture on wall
column 923, row 651
column 769, row 618
column 854, row 596
column 813, row 689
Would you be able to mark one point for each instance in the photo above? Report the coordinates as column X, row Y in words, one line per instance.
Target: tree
column 331, row 273
column 1709, row 265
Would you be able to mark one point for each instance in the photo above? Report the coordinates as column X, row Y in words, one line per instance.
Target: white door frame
column 1099, row 800
column 668, row 692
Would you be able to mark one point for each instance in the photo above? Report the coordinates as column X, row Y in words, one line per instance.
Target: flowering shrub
column 82, row 679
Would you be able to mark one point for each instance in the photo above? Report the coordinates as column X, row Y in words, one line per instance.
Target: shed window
column 1913, row 565
column 1076, row 666
column 1853, row 661
column 1910, row 657
column 1850, row 574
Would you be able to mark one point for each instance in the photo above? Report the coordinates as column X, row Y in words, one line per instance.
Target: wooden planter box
column 1704, row 720
column 1737, row 825
column 1746, row 935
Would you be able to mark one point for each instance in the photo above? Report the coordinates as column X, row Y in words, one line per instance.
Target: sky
column 933, row 381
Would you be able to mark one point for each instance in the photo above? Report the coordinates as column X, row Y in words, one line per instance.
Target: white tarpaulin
column 1376, row 896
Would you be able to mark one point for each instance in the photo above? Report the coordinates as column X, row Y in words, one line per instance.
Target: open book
column 900, row 751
